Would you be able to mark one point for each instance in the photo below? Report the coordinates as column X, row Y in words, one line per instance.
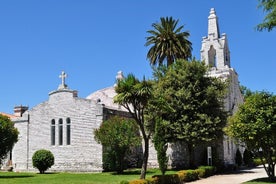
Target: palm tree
column 168, row 42
column 134, row 96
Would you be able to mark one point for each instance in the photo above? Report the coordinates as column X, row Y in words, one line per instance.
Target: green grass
column 259, row 181
column 72, row 178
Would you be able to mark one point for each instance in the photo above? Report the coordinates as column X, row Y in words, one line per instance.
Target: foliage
column 168, row 42
column 190, row 103
column 160, row 144
column 188, row 175
column 247, row 158
column 118, row 134
column 134, row 95
column 43, row 160
column 255, row 124
column 206, row 171
column 269, row 22
column 8, row 136
column 164, row 179
column 238, row 158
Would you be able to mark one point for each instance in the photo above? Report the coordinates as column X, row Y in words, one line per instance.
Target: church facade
column 64, row 124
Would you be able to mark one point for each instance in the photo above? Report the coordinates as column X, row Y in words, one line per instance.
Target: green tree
column 168, row 42
column 255, row 124
column 190, row 103
column 161, row 145
column 8, row 136
column 269, row 22
column 43, row 160
column 134, row 96
column 118, row 134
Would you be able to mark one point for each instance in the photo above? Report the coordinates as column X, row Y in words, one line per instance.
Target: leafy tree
column 8, row 136
column 118, row 134
column 161, row 145
column 43, row 160
column 269, row 22
column 190, row 103
column 168, row 42
column 134, row 96
column 255, row 124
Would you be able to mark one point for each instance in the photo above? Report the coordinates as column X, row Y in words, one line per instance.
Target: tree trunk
column 145, row 158
column 270, row 170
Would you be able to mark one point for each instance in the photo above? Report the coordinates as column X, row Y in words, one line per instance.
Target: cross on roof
column 63, row 75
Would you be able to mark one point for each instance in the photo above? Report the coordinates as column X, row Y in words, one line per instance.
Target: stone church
column 64, row 124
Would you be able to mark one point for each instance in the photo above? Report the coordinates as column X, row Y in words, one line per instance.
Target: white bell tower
column 214, row 50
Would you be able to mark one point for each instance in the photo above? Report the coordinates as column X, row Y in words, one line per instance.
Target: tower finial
column 213, row 28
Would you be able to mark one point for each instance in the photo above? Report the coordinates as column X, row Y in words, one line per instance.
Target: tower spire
column 213, row 28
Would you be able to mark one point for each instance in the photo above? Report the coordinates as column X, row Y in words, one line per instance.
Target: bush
column 206, row 171
column 165, row 179
column 248, row 158
column 188, row 175
column 43, row 160
column 238, row 158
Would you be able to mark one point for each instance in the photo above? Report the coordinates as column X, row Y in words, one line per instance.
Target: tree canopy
column 134, row 95
column 269, row 22
column 190, row 103
column 255, row 124
column 168, row 42
column 8, row 136
column 119, row 134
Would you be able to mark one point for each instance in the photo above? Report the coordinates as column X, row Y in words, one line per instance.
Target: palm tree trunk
column 145, row 158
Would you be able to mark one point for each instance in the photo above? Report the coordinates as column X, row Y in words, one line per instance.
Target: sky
column 91, row 40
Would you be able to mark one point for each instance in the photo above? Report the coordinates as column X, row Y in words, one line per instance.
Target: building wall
column 83, row 154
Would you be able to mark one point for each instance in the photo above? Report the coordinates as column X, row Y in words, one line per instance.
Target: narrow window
column 68, row 131
column 60, row 132
column 53, row 132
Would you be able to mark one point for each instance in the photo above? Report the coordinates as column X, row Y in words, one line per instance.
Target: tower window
column 53, row 132
column 60, row 132
column 68, row 131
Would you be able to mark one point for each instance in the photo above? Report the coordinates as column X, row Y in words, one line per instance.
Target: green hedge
column 179, row 177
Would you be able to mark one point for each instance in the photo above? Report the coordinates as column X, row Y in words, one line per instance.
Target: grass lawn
column 259, row 181
column 72, row 178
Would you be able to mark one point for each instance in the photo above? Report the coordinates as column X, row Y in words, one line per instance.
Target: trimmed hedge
column 179, row 177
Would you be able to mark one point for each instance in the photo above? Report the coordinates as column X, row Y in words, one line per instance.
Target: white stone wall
column 83, row 154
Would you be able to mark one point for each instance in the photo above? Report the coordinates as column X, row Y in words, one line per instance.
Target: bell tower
column 214, row 51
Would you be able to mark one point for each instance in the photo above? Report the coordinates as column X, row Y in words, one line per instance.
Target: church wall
column 20, row 150
column 83, row 154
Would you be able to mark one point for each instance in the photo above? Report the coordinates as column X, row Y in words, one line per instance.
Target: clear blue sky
column 93, row 39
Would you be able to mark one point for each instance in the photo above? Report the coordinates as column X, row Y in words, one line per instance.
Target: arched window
column 212, row 57
column 53, row 132
column 68, row 131
column 60, row 131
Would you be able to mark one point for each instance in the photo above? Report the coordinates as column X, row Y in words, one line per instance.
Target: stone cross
column 62, row 76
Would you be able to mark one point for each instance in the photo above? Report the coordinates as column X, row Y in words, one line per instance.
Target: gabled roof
column 8, row 115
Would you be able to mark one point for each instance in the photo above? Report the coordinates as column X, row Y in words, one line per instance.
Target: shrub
column 165, row 179
column 188, row 175
column 206, row 171
column 238, row 158
column 248, row 157
column 43, row 160
column 201, row 173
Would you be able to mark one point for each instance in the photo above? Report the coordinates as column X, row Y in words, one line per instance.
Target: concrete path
column 235, row 178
